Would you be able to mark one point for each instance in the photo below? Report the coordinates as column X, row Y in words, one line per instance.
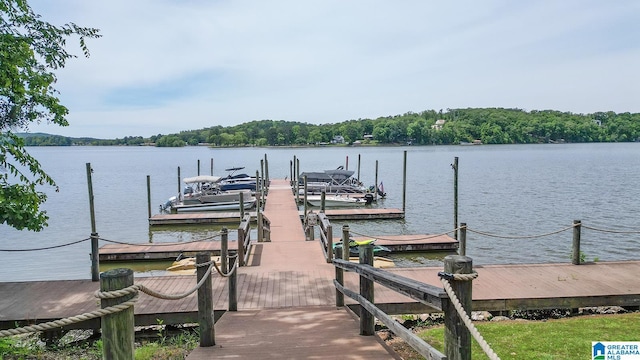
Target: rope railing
column 110, row 241
column 611, row 231
column 162, row 244
column 46, row 247
column 133, row 289
column 463, row 314
column 520, row 237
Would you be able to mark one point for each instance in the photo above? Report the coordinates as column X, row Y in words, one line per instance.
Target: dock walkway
column 289, row 276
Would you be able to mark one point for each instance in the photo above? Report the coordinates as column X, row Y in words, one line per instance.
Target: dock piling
column 575, row 258
column 457, row 338
column 205, row 301
column 367, row 321
column 118, row 333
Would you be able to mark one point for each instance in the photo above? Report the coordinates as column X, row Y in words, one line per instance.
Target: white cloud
column 165, row 66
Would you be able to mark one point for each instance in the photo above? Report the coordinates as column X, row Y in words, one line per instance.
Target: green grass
column 169, row 347
column 557, row 339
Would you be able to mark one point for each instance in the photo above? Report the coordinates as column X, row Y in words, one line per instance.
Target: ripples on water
column 516, row 190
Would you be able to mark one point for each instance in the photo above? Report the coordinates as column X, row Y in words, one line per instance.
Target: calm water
column 505, row 190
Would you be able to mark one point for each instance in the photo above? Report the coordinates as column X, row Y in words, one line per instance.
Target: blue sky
column 164, row 66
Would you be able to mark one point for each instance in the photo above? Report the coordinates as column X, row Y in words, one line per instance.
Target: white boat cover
column 201, row 179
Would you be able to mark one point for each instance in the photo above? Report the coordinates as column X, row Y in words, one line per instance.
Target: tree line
column 489, row 125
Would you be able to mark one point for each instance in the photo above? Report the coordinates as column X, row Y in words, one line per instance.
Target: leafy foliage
column 30, row 49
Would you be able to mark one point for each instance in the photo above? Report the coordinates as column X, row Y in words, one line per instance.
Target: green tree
column 30, row 50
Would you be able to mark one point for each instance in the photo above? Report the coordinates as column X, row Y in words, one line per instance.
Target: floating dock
column 164, row 251
column 203, row 218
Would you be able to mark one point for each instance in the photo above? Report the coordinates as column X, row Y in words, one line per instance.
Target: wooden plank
column 287, row 334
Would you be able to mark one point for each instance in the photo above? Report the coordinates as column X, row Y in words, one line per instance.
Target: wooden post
column 323, row 200
column 233, row 283
column 329, row 242
column 179, row 186
column 241, row 236
column 305, row 196
column 342, row 253
column 118, row 333
column 293, row 176
column 241, row 200
column 404, row 183
column 298, row 181
column 462, row 249
column 375, row 191
column 205, row 302
column 149, row 196
column 575, row 258
column 266, row 170
column 211, row 172
column 261, row 172
column 457, row 338
column 455, row 197
column 95, row 260
column 367, row 321
column 346, row 163
column 224, row 249
column 258, row 190
column 358, row 168
column 198, row 167
column 291, row 173
column 339, row 279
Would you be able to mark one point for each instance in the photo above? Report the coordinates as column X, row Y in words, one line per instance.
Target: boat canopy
column 202, row 179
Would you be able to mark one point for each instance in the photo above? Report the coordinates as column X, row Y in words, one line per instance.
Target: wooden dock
column 162, row 251
column 203, row 218
column 288, row 279
column 413, row 242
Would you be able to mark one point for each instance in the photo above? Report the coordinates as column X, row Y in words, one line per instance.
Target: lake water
column 507, row 190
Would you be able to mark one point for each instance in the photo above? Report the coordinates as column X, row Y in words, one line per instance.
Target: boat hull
column 217, row 206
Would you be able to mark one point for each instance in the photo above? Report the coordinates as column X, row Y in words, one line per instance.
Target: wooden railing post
column 367, row 321
column 233, row 283
column 260, row 226
column 575, row 258
column 329, row 242
column 224, row 249
column 241, row 236
column 457, row 338
column 205, row 302
column 118, row 332
column 339, row 279
column 462, row 250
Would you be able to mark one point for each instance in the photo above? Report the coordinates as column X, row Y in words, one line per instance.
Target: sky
column 163, row 66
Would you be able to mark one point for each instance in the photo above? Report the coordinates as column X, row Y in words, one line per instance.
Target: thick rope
column 151, row 292
column 520, row 237
column 114, row 294
column 163, row 244
column 463, row 314
column 611, row 231
column 235, row 266
column 46, row 248
column 71, row 320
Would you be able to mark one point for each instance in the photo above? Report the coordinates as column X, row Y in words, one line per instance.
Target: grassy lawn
column 557, row 339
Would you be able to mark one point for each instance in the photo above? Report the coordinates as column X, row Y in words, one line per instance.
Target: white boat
column 202, row 193
column 213, row 206
column 339, row 200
